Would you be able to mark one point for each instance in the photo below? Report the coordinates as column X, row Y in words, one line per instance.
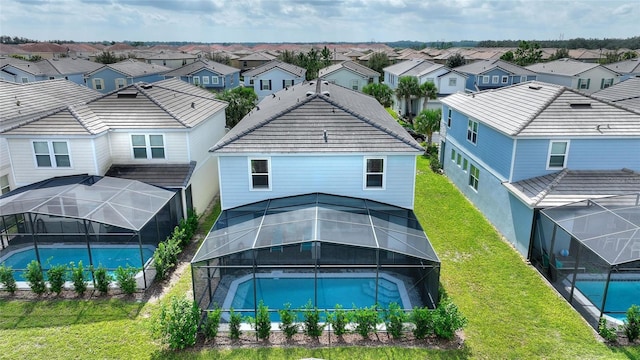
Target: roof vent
column 325, row 82
column 146, row 86
column 311, row 82
column 326, row 93
column 535, row 87
column 309, row 93
column 127, row 94
column 580, row 105
column 193, row 105
column 325, row 136
column 273, row 96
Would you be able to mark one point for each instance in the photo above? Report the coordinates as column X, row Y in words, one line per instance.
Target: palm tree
column 428, row 122
column 429, row 91
column 408, row 87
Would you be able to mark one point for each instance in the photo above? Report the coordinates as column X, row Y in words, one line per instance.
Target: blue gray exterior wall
column 332, row 174
column 276, row 76
column 477, row 80
column 225, row 82
column 8, row 74
column 109, row 77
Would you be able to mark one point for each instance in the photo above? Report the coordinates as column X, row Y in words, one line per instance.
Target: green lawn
column 512, row 312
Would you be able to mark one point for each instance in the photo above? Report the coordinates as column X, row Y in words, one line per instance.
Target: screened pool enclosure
column 101, row 221
column 321, row 248
column 590, row 251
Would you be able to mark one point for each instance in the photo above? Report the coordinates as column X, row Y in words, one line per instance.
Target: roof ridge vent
column 535, row 87
column 309, row 93
column 326, row 93
column 129, row 93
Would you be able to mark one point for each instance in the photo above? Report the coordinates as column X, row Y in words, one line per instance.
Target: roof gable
column 277, row 64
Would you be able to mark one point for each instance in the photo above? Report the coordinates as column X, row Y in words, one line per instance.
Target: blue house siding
column 584, row 154
column 339, row 175
column 510, row 216
column 276, row 76
column 13, row 74
column 109, row 77
column 224, row 82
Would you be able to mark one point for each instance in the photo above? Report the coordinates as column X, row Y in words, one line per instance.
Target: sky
column 236, row 21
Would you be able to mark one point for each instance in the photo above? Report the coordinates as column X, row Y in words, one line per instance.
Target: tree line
column 577, row 43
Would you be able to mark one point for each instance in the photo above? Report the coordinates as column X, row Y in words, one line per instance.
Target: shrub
column 394, row 318
column 126, row 279
column 288, row 321
column 35, row 278
column 191, row 225
column 7, row 279
column 434, row 163
column 234, row 324
column 166, row 256
column 447, row 320
column 178, row 323
column 338, row 320
column 312, row 325
column 366, row 320
column 422, row 319
column 57, row 276
column 78, row 278
column 432, row 150
column 211, row 323
column 103, row 279
column 607, row 333
column 631, row 325
column 179, row 235
column 262, row 323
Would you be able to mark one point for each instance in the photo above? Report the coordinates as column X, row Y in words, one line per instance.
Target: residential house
column 22, row 71
column 350, row 75
column 254, row 60
column 158, row 133
column 20, row 103
column 111, row 77
column 46, row 50
column 625, row 93
column 626, row 68
column 172, row 59
column 586, row 77
column 272, row 77
column 520, row 148
column 446, row 80
column 208, row 74
column 492, row 74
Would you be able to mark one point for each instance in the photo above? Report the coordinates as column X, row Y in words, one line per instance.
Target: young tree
column 508, row 56
column 377, row 62
column 560, row 54
column 289, row 57
column 325, row 55
column 382, row 93
column 455, row 60
column 428, row 122
column 527, row 53
column 312, row 64
column 428, row 91
column 241, row 100
column 408, row 87
column 107, row 57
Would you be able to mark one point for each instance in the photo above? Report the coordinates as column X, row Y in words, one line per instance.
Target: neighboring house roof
column 23, row 65
column 631, row 66
column 199, row 65
column 64, row 66
column 295, row 120
column 625, row 93
column 413, row 67
column 20, row 103
column 565, row 67
column 165, row 175
column 43, row 47
column 166, row 104
column 481, row 67
column 540, row 109
column 350, row 66
column 133, row 68
column 569, row 186
column 290, row 68
column 258, row 56
column 171, row 55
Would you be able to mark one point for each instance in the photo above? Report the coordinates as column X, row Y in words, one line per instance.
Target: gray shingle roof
column 26, row 66
column 566, row 67
column 194, row 67
column 630, row 66
column 68, row 65
column 625, row 93
column 351, row 66
column 294, row 120
column 290, row 68
column 541, row 109
column 569, row 186
column 258, row 56
column 134, row 68
column 481, row 67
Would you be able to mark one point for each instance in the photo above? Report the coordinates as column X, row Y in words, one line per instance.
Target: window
column 260, row 170
column 51, row 153
column 147, row 146
column 430, row 80
column 505, row 79
column 120, row 83
column 474, row 177
column 495, row 79
column 605, row 83
column 265, row 84
column 4, row 184
column 583, row 83
column 558, row 154
column 464, row 164
column 196, row 80
column 25, row 80
column 374, row 174
column 449, row 118
column 453, row 155
column 459, row 159
column 205, row 80
column 472, row 131
column 216, row 80
column 453, row 81
column 98, row 84
column 485, row 79
column 251, row 82
column 354, row 84
column 52, row 77
column 287, row 83
column 370, row 81
column 523, row 78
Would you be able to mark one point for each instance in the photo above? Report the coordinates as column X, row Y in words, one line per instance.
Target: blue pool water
column 348, row 292
column 620, row 296
column 109, row 257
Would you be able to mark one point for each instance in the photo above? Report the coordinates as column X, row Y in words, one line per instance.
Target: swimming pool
column 109, row 256
column 347, row 289
column 620, row 296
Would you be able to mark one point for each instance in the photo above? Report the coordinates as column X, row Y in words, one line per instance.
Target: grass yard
column 512, row 312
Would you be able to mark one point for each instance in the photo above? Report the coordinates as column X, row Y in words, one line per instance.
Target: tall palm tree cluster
column 313, row 60
column 409, row 88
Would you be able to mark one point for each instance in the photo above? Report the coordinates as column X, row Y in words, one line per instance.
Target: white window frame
column 196, row 80
column 287, row 83
column 355, row 84
column 120, row 83
column 472, row 131
column 453, row 155
column 148, row 147
column 251, row 174
column 465, row 164
column 485, row 79
column 565, row 155
column 606, row 83
column 5, row 186
column 98, row 84
column 449, row 118
column 505, row 79
column 51, row 153
column 495, row 79
column 265, row 85
column 205, row 80
column 215, row 80
column 474, row 177
column 523, row 78
column 24, row 79
column 366, row 173
column 459, row 159
column 453, row 81
column 584, row 82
